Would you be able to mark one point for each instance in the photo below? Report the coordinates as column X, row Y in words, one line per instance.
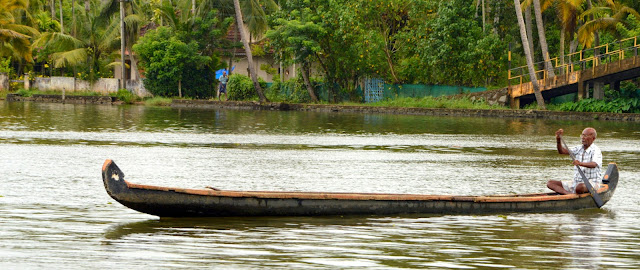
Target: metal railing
column 582, row 60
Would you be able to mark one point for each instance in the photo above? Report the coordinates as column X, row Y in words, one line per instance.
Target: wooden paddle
column 594, row 193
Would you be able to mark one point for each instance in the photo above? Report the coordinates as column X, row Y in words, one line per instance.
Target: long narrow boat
column 180, row 202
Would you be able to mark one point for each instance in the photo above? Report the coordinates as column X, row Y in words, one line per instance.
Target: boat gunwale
column 365, row 196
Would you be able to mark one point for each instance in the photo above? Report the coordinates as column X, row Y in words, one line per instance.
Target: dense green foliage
column 169, row 61
column 292, row 90
column 337, row 43
column 627, row 100
column 240, row 87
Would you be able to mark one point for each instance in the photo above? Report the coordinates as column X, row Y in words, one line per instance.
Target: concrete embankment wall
column 507, row 113
column 103, row 85
column 67, row 99
column 4, row 81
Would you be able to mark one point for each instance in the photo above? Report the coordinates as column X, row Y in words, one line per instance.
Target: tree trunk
column 529, row 23
column 305, row 75
column 233, row 53
column 390, row 63
column 61, row 21
column 527, row 52
column 73, row 16
column 52, row 6
column 496, row 19
column 543, row 39
column 247, row 49
column 484, row 20
column 562, row 41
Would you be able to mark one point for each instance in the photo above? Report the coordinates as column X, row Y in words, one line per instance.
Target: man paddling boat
column 588, row 158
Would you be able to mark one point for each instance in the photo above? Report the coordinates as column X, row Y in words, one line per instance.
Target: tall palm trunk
column 543, row 39
column 73, row 16
column 562, row 41
column 247, row 49
column 52, row 6
column 527, row 52
column 529, row 24
column 61, row 21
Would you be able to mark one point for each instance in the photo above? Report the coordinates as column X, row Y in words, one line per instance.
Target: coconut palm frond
column 568, row 15
column 623, row 12
column 6, row 17
column 272, row 6
column 9, row 34
column 133, row 20
column 69, row 58
column 117, row 64
column 27, row 30
column 596, row 12
column 17, row 49
column 587, row 32
column 57, row 41
column 525, row 4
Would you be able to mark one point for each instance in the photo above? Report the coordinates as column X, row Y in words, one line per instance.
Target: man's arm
column 585, row 164
column 561, row 149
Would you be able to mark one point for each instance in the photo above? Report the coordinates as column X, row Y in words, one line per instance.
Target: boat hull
column 177, row 202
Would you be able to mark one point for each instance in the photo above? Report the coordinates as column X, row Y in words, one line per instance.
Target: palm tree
column 527, row 52
column 543, row 39
column 137, row 13
column 15, row 37
column 568, row 12
column 255, row 15
column 605, row 17
column 96, row 38
column 247, row 49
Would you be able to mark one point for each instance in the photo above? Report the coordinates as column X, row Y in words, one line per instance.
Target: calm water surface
column 55, row 213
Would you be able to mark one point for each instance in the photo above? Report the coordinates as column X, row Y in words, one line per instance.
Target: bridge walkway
column 593, row 68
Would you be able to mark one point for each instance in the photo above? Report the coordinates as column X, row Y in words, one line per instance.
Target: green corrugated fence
column 389, row 91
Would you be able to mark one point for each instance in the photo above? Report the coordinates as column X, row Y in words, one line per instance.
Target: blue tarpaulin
column 219, row 72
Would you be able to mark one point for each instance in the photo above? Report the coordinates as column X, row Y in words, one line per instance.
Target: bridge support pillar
column 514, row 102
column 598, row 90
column 581, row 89
column 615, row 85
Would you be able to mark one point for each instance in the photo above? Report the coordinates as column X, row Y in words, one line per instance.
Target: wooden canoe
column 180, row 202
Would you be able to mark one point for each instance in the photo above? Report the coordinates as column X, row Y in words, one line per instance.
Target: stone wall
column 103, row 85
column 506, row 113
column 67, row 99
column 4, row 81
column 493, row 97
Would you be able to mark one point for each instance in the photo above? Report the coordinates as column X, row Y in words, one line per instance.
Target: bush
column 5, row 65
column 617, row 105
column 24, row 92
column 240, row 87
column 158, row 101
column 292, row 90
column 125, row 96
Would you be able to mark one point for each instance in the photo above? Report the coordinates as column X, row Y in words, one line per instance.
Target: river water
column 55, row 213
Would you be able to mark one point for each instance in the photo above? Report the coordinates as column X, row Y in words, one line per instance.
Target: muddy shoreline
column 280, row 106
column 506, row 113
